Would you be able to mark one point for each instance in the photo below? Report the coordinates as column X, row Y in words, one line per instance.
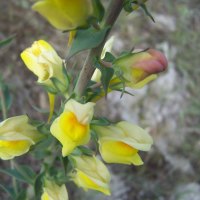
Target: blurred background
column 169, row 107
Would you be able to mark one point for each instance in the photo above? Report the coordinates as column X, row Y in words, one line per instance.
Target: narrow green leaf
column 143, row 6
column 38, row 184
column 8, row 190
column 59, row 85
column 68, row 164
column 106, row 75
column 40, row 110
column 21, row 195
column 22, row 174
column 6, row 95
column 100, row 122
column 109, row 57
column 86, row 151
column 28, row 174
column 6, row 41
column 87, row 39
column 98, row 9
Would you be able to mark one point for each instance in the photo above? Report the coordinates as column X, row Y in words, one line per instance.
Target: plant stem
column 14, row 182
column 87, row 71
column 3, row 104
column 4, row 114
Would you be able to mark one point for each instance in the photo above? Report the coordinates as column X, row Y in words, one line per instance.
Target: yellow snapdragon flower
column 52, row 191
column 45, row 63
column 65, row 14
column 72, row 127
column 91, row 173
column 17, row 136
column 120, row 143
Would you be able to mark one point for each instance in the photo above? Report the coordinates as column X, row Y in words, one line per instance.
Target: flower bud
column 120, row 143
column 138, row 69
column 17, row 136
column 52, row 191
column 45, row 63
column 91, row 173
column 66, row 14
column 72, row 127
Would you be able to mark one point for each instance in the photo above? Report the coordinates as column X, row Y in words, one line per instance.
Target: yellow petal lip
column 120, row 155
column 72, row 127
column 65, row 14
column 83, row 112
column 121, row 142
column 44, row 62
column 17, row 136
column 91, row 173
column 52, row 191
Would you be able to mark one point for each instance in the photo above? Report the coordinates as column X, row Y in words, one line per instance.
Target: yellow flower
column 16, row 137
column 140, row 68
column 52, row 191
column 91, row 173
column 65, row 14
column 120, row 143
column 72, row 127
column 45, row 63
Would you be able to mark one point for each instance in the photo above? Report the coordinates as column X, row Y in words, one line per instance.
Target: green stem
column 87, row 71
column 4, row 114
column 3, row 104
column 14, row 182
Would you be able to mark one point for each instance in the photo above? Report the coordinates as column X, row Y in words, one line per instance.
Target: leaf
column 6, row 95
column 68, row 164
column 109, row 57
column 87, row 39
column 143, row 6
column 6, row 41
column 8, row 190
column 38, row 184
column 98, row 9
column 48, row 88
column 40, row 110
column 23, row 173
column 21, row 195
column 59, row 85
column 100, row 122
column 86, row 151
column 106, row 75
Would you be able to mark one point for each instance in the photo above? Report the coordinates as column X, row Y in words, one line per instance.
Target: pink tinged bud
column 156, row 64
column 141, row 68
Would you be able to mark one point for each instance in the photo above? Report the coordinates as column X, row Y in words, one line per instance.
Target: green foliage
column 38, row 184
column 129, row 7
column 98, row 10
column 87, row 39
column 8, row 190
column 21, row 173
column 6, row 41
column 101, row 122
column 106, row 75
column 5, row 96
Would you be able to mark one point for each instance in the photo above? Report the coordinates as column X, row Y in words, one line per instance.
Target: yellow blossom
column 120, row 143
column 52, row 191
column 91, row 173
column 65, row 14
column 16, row 137
column 45, row 63
column 72, row 127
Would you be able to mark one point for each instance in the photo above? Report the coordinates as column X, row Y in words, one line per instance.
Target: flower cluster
column 70, row 128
